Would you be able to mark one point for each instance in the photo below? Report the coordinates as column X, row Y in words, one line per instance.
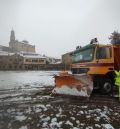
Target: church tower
column 12, row 39
column 17, row 46
column 12, row 36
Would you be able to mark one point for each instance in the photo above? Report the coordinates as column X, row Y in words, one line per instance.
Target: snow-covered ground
column 18, row 79
column 25, row 103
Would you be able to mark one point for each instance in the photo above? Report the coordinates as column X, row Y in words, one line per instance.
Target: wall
column 13, row 62
column 17, row 62
column 20, row 46
column 67, row 58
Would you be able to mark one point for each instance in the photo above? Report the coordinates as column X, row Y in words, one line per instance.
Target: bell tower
column 12, row 39
column 12, row 36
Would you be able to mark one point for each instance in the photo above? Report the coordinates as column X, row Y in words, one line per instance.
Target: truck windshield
column 83, row 55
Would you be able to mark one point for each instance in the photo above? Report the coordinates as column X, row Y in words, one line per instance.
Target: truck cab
column 93, row 59
column 96, row 60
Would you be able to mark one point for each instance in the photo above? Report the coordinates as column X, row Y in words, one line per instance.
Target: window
column 20, row 66
column 10, row 59
column 41, row 61
column 28, row 60
column 10, row 66
column 83, row 55
column 103, row 53
column 15, row 67
column 34, row 60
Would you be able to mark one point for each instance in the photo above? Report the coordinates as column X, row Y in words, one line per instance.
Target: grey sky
column 58, row 26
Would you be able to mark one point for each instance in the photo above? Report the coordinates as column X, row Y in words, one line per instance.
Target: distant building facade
column 10, row 61
column 18, row 46
column 67, row 58
column 52, row 60
column 4, row 48
column 26, row 61
column 34, row 62
column 22, row 56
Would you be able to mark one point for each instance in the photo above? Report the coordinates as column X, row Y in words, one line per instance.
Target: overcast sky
column 58, row 26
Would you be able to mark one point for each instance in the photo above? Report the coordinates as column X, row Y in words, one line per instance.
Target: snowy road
column 25, row 103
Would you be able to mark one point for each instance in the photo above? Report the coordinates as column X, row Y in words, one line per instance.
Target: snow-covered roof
column 29, row 53
column 34, row 56
column 4, row 53
column 58, row 62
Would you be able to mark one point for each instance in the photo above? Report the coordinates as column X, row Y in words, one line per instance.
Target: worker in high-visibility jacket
column 117, row 82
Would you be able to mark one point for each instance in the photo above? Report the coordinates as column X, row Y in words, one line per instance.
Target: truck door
column 104, row 59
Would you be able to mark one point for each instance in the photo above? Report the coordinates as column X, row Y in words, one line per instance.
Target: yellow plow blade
column 74, row 85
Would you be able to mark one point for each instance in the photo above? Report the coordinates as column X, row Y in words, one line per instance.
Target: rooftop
column 3, row 53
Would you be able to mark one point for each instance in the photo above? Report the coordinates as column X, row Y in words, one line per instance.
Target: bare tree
column 115, row 37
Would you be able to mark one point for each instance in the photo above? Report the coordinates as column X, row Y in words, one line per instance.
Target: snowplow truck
column 92, row 68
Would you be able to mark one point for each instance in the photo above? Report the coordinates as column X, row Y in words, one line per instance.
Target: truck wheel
column 106, row 86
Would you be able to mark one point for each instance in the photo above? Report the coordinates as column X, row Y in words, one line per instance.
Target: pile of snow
column 23, row 127
column 69, row 123
column 16, row 79
column 21, row 118
column 42, row 106
column 107, row 126
column 70, row 91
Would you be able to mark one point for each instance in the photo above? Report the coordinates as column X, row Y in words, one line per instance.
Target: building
column 10, row 61
column 52, row 60
column 67, row 58
column 4, row 48
column 22, row 56
column 27, row 61
column 18, row 61
column 18, row 46
column 34, row 61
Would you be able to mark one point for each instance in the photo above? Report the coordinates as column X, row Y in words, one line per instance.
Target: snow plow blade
column 73, row 85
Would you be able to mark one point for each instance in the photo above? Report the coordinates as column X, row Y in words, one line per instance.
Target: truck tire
column 106, row 86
